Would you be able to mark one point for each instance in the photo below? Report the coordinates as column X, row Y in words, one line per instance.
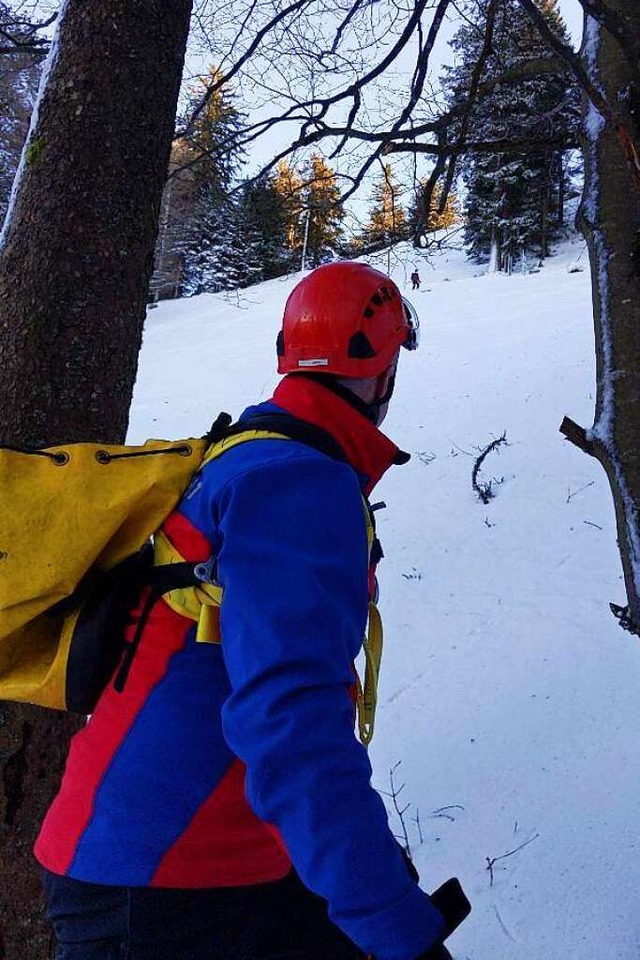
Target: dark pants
column 265, row 922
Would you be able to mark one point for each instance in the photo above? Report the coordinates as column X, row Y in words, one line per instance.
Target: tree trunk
column 494, row 255
column 610, row 218
column 544, row 219
column 75, row 261
column 78, row 242
column 560, row 173
column 545, row 208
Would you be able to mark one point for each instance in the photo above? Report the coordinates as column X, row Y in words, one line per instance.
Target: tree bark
column 610, row 220
column 561, row 187
column 78, row 245
column 75, row 261
column 544, row 219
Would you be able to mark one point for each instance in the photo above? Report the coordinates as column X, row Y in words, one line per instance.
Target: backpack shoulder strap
column 288, row 427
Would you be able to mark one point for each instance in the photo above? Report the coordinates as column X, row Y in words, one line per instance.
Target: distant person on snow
column 220, row 806
column 415, row 280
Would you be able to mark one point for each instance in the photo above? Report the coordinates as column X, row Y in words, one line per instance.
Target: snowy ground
column 508, row 692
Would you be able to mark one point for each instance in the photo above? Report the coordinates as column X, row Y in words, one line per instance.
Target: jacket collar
column 369, row 451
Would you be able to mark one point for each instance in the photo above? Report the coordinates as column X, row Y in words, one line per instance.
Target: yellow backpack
column 76, row 524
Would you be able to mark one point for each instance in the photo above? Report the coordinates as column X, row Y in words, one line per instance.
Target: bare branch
column 505, row 145
column 423, row 64
column 257, row 40
column 577, row 435
column 471, row 100
column 21, row 39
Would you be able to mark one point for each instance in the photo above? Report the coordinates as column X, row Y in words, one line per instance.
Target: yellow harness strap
column 367, row 696
column 217, row 449
column 202, row 603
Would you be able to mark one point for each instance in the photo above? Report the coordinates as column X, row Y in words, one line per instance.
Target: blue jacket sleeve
column 293, row 564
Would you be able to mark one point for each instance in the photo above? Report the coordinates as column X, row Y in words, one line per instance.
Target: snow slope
column 508, row 692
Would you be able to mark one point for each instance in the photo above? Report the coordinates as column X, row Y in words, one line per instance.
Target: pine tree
column 435, row 220
column 387, row 219
column 195, row 210
column 513, row 200
column 324, row 210
column 234, row 256
column 267, row 220
column 210, row 149
column 180, row 200
column 288, row 185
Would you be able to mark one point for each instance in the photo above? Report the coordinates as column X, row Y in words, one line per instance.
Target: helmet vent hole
column 369, row 312
column 360, row 347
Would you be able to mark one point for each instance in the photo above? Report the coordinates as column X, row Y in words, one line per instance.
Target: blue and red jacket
column 220, row 765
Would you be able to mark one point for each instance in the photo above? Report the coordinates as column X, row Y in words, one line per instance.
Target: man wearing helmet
column 220, row 806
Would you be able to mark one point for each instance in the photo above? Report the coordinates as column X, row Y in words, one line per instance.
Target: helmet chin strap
column 386, row 398
column 369, row 410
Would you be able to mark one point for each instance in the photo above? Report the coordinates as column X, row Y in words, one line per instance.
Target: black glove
column 452, row 903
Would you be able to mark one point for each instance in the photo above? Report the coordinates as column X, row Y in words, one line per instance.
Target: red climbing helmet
column 345, row 318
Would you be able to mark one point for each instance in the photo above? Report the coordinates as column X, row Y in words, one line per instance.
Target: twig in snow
column 503, row 856
column 418, row 824
column 591, row 524
column 466, row 452
column 400, row 811
column 502, row 924
column 442, row 811
column 485, row 490
column 575, row 493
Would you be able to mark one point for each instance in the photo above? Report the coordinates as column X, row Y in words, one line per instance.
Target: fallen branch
column 443, row 812
column 485, row 490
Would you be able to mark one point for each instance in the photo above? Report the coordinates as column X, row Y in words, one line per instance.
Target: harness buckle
column 206, row 572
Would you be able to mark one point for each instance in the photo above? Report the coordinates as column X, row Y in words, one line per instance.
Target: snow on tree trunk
column 75, row 263
column 610, row 218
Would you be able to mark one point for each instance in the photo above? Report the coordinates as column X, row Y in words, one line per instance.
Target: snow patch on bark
column 49, row 64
